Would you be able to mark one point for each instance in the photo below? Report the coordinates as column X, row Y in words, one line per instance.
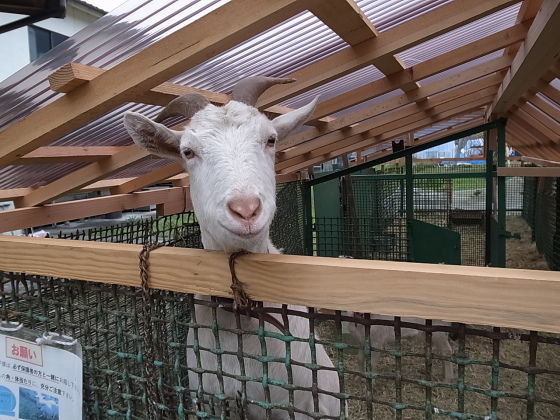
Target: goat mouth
column 243, row 235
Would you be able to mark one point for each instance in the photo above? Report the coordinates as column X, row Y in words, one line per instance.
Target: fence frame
column 523, row 299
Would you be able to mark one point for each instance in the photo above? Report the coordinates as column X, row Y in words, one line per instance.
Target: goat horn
column 249, row 89
column 185, row 105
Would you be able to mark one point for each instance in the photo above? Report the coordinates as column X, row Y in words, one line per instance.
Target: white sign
column 39, row 381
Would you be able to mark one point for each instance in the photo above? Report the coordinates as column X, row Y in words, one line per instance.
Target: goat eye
column 188, row 153
column 271, row 141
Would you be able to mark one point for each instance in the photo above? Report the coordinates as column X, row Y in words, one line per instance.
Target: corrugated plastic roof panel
column 463, row 35
column 387, row 14
column 285, row 48
column 448, row 124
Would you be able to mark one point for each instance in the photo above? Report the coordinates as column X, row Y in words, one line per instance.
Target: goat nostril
column 245, row 208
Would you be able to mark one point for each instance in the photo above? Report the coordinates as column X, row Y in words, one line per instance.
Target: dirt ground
column 513, row 355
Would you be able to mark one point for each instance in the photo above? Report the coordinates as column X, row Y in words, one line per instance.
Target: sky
column 106, row 5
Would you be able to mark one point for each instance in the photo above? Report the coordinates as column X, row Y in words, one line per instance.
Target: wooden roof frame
column 516, row 85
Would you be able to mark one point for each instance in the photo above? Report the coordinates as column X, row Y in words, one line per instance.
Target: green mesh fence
column 540, row 204
column 497, row 373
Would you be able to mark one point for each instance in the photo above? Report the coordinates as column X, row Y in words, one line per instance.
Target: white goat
column 229, row 153
column 381, row 335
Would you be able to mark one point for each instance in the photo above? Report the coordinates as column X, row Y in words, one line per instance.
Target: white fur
column 232, row 159
column 381, row 335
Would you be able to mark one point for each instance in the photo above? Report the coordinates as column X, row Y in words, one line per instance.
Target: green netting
column 498, row 373
column 540, row 204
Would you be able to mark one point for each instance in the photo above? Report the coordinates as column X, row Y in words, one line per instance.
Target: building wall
column 14, row 45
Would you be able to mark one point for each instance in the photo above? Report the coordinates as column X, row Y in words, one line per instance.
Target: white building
column 21, row 46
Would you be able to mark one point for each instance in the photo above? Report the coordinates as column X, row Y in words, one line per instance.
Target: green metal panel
column 495, row 255
column 328, row 218
column 434, row 244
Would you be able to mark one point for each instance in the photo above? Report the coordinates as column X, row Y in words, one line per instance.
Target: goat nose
column 245, row 208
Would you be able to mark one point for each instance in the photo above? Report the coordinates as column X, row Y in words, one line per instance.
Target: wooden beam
column 443, row 102
column 153, row 177
column 540, row 50
column 346, row 19
column 528, row 171
column 536, row 125
column 71, row 75
column 66, row 154
column 540, row 162
column 527, row 12
column 526, row 131
column 362, row 140
column 13, row 193
column 160, row 95
column 82, row 177
column 426, row 69
column 388, row 43
column 551, row 93
column 544, row 106
column 150, row 67
column 71, row 210
column 453, row 85
column 542, row 118
column 525, row 299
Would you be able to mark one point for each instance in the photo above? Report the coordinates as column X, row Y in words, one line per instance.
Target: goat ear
column 286, row 123
column 153, row 137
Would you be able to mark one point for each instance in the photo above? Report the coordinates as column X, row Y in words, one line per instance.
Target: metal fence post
column 501, row 237
column 409, row 205
column 308, row 218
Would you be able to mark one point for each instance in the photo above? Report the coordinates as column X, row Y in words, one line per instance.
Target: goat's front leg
column 441, row 340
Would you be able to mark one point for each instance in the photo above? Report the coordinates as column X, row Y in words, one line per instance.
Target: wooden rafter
column 72, row 75
column 150, row 67
column 388, row 43
column 450, row 85
column 449, row 131
column 65, row 154
column 346, row 19
column 540, row 50
column 426, row 69
column 545, row 107
column 551, row 126
column 379, row 123
column 175, row 198
column 551, row 93
column 537, row 138
column 415, row 121
column 82, row 177
column 530, row 120
column 150, row 178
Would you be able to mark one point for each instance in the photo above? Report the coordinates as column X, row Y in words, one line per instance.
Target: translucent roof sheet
column 461, row 36
column 337, row 87
column 387, row 14
column 278, row 51
column 448, row 124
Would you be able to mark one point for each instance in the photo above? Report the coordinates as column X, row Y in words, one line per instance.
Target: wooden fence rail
column 524, row 299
